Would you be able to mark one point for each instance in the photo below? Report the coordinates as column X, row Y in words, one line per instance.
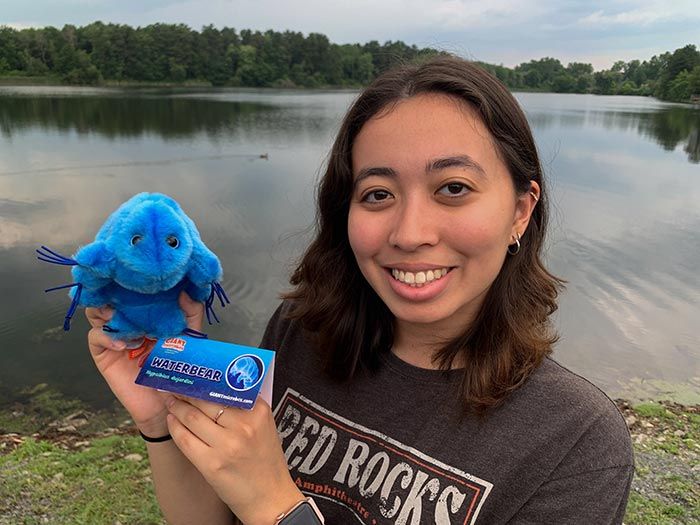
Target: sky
column 506, row 32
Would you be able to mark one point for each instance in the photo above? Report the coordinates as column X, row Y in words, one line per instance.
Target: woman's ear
column 524, row 207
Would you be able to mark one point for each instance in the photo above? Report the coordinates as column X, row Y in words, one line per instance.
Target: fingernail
column 119, row 345
column 169, row 401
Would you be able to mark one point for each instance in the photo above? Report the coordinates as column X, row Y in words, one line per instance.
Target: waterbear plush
column 143, row 256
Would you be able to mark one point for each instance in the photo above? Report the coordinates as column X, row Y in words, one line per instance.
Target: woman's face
column 433, row 211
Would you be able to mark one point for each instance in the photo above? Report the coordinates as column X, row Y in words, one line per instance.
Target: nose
column 415, row 224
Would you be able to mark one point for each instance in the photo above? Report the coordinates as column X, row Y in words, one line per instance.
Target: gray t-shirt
column 389, row 447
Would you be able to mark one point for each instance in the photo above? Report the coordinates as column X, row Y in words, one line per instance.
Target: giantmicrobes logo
column 174, row 343
column 245, row 372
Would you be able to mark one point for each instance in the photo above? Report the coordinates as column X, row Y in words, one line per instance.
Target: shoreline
column 10, row 81
column 57, row 456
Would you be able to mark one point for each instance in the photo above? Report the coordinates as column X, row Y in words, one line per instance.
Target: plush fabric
column 143, row 256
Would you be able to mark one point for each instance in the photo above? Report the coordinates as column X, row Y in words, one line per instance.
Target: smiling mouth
column 419, row 279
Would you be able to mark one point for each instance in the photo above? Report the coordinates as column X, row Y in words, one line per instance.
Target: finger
column 193, row 310
column 98, row 342
column 189, row 444
column 207, row 407
column 97, row 317
column 197, row 422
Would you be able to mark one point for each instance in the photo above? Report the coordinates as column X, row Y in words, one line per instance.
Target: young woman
column 412, row 379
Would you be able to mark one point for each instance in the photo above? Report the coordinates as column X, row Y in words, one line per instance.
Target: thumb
column 193, row 310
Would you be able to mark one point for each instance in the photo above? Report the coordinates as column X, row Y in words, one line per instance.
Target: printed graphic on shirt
column 376, row 479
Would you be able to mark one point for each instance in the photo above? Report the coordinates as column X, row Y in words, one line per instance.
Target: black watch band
column 304, row 513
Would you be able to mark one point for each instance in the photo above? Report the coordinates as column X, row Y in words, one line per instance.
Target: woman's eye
column 135, row 239
column 376, row 196
column 454, row 189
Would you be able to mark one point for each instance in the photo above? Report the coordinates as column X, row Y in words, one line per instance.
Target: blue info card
column 215, row 371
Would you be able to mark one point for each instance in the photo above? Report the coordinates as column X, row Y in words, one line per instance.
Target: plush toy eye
column 135, row 239
column 172, row 241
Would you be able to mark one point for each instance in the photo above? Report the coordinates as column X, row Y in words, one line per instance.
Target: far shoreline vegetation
column 101, row 54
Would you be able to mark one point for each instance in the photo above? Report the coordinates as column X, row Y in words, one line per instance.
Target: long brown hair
column 511, row 333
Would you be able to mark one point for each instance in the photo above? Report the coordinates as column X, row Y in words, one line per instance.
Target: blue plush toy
column 145, row 254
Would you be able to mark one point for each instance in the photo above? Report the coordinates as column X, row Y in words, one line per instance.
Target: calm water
column 624, row 174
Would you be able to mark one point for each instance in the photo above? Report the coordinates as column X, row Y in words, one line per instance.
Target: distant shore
column 11, row 81
column 56, row 81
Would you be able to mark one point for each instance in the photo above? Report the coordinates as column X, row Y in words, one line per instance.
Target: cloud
column 358, row 21
column 22, row 25
column 465, row 14
column 651, row 13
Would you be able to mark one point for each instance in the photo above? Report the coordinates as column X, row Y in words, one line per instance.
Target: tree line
column 670, row 76
column 175, row 53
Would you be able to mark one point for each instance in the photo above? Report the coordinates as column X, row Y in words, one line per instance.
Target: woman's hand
column 240, row 456
column 145, row 405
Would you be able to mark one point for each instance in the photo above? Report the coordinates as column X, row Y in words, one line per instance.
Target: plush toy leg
column 121, row 328
column 75, row 292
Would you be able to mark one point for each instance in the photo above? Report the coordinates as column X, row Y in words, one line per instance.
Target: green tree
column 541, row 73
column 563, row 83
column 357, row 66
column 578, row 69
column 176, row 53
column 177, row 72
column 84, row 72
column 251, row 71
column 694, row 81
column 10, row 49
column 679, row 88
column 605, row 82
column 628, row 88
column 682, row 59
column 213, row 60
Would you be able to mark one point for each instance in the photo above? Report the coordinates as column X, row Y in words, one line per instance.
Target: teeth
column 418, row 279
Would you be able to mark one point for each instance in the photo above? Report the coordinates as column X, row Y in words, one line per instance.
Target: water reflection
column 128, row 114
column 181, row 114
column 669, row 125
column 633, row 304
column 625, row 229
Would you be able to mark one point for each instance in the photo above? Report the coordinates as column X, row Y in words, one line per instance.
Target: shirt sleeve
column 592, row 480
column 275, row 329
column 598, row 496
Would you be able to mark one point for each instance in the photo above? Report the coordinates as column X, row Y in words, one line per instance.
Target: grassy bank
column 62, row 463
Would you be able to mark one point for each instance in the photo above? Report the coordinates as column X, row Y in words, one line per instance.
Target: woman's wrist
column 155, row 439
column 266, row 512
column 153, row 429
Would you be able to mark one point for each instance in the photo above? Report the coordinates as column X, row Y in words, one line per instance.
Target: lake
column 623, row 173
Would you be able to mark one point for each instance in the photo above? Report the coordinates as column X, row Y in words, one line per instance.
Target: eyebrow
column 369, row 172
column 459, row 161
